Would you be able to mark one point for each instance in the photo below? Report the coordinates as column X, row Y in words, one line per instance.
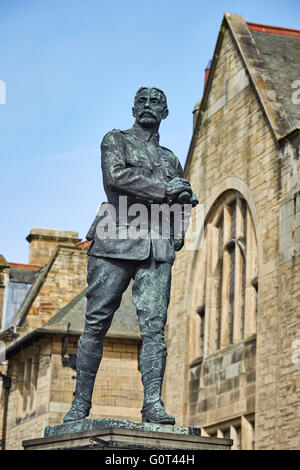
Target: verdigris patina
column 137, row 170
column 109, row 423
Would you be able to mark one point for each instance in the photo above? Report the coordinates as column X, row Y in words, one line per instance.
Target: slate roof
column 281, row 55
column 124, row 324
column 271, row 57
column 71, row 319
column 25, row 276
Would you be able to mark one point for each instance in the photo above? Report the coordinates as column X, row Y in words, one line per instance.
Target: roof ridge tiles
column 83, row 244
column 25, row 266
column 264, row 28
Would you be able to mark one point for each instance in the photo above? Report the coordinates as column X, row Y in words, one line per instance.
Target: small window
column 27, row 372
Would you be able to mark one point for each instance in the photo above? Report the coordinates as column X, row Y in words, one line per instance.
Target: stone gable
column 235, row 148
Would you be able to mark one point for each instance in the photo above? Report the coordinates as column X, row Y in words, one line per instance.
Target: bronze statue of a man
column 136, row 166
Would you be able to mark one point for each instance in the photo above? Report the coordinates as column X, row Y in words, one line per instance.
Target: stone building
column 233, row 328
column 42, row 319
column 234, row 318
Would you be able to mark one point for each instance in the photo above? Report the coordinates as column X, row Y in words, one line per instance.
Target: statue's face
column 149, row 108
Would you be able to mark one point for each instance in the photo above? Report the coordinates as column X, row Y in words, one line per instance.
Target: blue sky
column 71, row 70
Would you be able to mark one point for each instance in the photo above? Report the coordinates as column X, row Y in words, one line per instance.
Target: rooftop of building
column 271, row 57
column 72, row 316
column 280, row 49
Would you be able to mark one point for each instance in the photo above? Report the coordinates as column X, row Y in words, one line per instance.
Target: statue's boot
column 81, row 404
column 152, row 377
column 89, row 354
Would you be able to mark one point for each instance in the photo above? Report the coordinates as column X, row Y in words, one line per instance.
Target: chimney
column 4, row 278
column 197, row 105
column 43, row 242
column 206, row 73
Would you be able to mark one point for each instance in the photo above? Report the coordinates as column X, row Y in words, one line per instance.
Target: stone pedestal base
column 117, row 434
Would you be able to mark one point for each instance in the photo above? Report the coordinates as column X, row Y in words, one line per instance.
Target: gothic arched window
column 226, row 288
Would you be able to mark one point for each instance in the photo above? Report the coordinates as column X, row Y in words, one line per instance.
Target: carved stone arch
column 231, row 190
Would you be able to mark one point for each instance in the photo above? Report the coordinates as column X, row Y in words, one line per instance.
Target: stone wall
column 66, row 278
column 222, row 386
column 44, row 241
column 28, row 411
column 117, row 393
column 278, row 358
column 236, row 149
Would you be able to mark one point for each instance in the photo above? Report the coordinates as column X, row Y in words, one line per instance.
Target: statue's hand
column 178, row 245
column 178, row 185
column 194, row 200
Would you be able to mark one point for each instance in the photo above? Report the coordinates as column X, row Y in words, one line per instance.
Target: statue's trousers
column 107, row 280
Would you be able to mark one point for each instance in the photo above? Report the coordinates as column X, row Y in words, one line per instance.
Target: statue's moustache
column 147, row 113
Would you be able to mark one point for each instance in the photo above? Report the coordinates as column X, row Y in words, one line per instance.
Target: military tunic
column 136, row 166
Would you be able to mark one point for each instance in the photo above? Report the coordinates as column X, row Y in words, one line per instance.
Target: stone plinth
column 114, row 434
